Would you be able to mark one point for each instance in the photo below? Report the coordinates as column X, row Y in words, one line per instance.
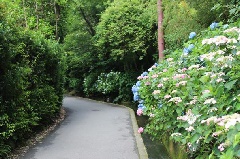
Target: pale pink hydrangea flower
column 179, row 76
column 175, row 134
column 210, row 101
column 165, row 79
column 230, row 122
column 139, row 112
column 233, row 29
column 189, row 117
column 151, row 115
column 226, row 121
column 192, row 102
column 160, row 85
column 218, row 40
column 213, row 75
column 167, row 96
column 169, row 59
column 164, row 70
column 145, row 77
column 147, row 83
column 140, row 77
column 154, row 76
column 218, row 80
column 209, row 120
column 221, row 147
column 233, row 40
column 190, row 128
column 174, row 91
column 184, row 118
column 183, row 83
column 225, row 58
column 220, row 52
column 216, row 133
column 140, row 130
column 206, row 92
column 184, row 69
column 210, row 56
column 176, row 100
column 156, row 92
column 194, row 67
column 212, row 110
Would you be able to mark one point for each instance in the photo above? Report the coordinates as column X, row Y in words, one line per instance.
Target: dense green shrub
column 115, row 85
column 194, row 94
column 31, row 83
column 125, row 35
column 89, row 84
column 179, row 17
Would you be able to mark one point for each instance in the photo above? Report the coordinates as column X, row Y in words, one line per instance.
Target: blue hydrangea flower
column 190, row 47
column 138, row 83
column 213, row 25
column 144, row 74
column 140, row 106
column 160, row 105
column 186, row 51
column 135, row 89
column 136, row 97
column 141, row 101
column 156, row 64
column 192, row 35
column 225, row 26
column 144, row 107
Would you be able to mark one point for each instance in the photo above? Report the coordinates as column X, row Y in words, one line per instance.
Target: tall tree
column 160, row 30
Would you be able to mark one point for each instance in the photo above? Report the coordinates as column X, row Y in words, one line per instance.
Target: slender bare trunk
column 25, row 15
column 160, row 30
column 57, row 17
column 37, row 16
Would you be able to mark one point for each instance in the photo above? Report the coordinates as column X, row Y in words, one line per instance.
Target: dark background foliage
column 83, row 46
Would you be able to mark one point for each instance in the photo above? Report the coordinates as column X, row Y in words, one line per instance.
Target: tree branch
column 90, row 30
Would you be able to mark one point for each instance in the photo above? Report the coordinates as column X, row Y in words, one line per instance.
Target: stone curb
column 140, row 145
column 142, row 151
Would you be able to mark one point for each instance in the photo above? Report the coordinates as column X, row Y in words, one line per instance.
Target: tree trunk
column 37, row 16
column 57, row 16
column 160, row 30
column 25, row 16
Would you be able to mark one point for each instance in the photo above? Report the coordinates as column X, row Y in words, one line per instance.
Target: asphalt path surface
column 91, row 130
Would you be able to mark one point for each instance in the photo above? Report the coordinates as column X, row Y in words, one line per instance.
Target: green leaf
column 230, row 84
column 204, row 79
column 195, row 138
column 238, row 106
column 237, row 153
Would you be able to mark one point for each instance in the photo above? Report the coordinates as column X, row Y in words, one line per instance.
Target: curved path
column 91, row 130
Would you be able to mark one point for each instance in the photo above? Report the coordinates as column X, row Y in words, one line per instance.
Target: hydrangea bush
column 194, row 95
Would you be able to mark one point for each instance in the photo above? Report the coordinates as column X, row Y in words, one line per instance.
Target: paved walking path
column 91, row 130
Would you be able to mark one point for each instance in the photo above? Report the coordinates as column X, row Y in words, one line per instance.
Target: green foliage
column 194, row 96
column 82, row 56
column 31, row 80
column 89, row 84
column 179, row 18
column 126, row 33
column 228, row 10
column 116, row 85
